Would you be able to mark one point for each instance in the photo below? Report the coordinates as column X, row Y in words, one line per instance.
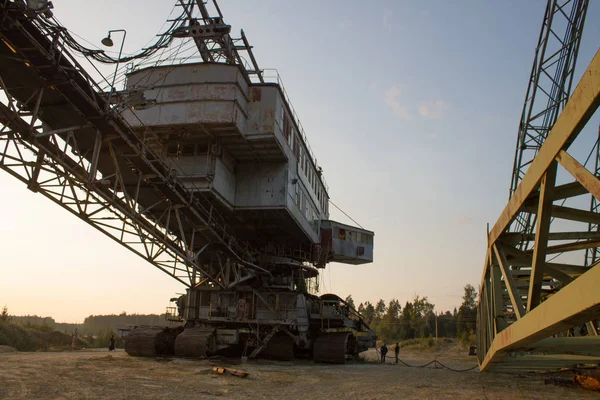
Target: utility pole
column 436, row 326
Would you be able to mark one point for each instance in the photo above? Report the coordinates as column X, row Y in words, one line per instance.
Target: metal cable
column 342, row 211
column 432, row 362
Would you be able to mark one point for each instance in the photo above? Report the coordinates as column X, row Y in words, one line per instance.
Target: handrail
column 276, row 78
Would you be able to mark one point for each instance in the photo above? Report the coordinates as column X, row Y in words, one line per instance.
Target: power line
column 342, row 211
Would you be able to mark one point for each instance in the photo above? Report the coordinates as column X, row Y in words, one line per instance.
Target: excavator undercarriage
column 256, row 324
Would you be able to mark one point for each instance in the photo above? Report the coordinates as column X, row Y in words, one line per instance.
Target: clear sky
column 411, row 107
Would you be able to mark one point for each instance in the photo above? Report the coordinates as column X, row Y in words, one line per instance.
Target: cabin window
column 272, row 300
column 342, row 234
column 304, row 206
column 187, row 150
column 287, row 128
column 205, row 299
column 296, row 148
column 172, row 149
column 357, row 237
column 281, row 118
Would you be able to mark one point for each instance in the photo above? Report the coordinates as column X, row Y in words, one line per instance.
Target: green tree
column 448, row 323
column 467, row 312
column 421, row 308
column 380, row 309
column 350, row 301
column 368, row 313
column 4, row 316
column 390, row 323
column 406, row 331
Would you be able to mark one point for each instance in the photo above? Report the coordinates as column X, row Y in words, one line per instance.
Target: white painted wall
column 190, row 94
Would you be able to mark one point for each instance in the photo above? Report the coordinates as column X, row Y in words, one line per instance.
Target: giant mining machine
column 192, row 157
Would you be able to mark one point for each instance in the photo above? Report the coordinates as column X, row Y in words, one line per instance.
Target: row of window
column 304, row 163
column 178, row 149
column 354, row 236
column 305, row 206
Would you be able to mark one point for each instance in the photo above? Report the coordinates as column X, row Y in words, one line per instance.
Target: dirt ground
column 88, row 374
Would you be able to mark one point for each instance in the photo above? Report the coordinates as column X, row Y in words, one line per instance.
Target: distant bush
column 4, row 316
column 430, row 342
column 34, row 338
column 425, row 343
column 468, row 338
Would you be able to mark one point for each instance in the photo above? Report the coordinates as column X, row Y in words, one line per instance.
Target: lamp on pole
column 107, row 41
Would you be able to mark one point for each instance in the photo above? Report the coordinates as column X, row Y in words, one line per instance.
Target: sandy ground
column 98, row 374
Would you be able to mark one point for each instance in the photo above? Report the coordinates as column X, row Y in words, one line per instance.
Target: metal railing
column 271, row 75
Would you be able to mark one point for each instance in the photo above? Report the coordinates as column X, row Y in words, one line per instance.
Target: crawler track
column 331, row 347
column 151, row 341
column 195, row 342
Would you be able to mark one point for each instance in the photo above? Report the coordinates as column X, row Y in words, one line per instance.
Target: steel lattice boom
column 548, row 89
column 92, row 163
column 528, row 302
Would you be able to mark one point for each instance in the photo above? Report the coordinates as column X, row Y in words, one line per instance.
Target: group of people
column 384, row 351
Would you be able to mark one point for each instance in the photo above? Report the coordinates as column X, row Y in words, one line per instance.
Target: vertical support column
column 541, row 237
column 511, row 286
column 35, row 173
column 499, row 321
column 95, row 156
column 190, row 312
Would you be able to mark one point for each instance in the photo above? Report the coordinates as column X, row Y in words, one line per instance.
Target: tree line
column 92, row 325
column 393, row 322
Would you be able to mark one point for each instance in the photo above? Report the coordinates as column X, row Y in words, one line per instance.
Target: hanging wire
column 164, row 40
column 343, row 212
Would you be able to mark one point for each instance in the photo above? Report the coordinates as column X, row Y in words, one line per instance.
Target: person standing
column 384, row 351
column 397, row 351
column 111, row 344
column 74, row 340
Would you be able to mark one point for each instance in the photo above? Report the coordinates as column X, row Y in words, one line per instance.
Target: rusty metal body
column 202, row 169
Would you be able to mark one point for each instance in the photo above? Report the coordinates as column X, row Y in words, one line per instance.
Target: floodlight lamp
column 107, row 41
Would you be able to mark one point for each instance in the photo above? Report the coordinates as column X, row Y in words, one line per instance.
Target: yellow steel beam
column 579, row 301
column 578, row 110
column 497, row 290
column 511, row 286
column 541, row 238
column 562, row 248
column 576, row 303
column 571, row 214
column 579, row 172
